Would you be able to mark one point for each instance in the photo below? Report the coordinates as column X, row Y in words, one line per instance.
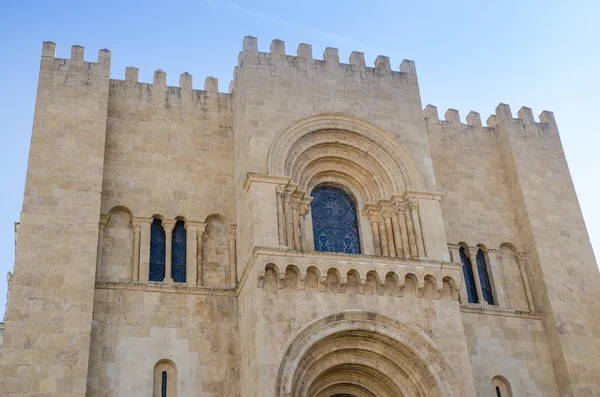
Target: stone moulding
column 420, row 271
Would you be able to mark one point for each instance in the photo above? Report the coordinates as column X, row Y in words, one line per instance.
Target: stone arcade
column 312, row 233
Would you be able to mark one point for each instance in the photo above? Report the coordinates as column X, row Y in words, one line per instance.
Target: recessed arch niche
column 364, row 354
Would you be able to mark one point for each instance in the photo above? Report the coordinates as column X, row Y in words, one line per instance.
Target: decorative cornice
column 496, row 311
column 262, row 178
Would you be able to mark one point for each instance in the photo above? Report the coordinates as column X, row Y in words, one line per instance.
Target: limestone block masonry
column 172, row 241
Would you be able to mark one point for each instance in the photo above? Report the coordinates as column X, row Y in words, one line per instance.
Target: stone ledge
column 497, row 311
column 167, row 288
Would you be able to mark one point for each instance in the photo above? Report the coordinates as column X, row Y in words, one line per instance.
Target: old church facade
column 315, row 232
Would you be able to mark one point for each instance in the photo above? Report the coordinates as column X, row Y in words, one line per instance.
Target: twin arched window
column 335, row 223
column 482, row 271
column 158, row 254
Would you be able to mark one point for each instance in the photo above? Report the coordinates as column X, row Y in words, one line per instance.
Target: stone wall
column 136, row 327
column 169, row 150
column 1, row 333
column 511, row 347
column 48, row 318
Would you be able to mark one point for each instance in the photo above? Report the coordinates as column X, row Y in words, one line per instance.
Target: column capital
column 399, row 207
column 413, row 204
column 521, row 258
column 231, row 231
column 303, row 208
column 279, row 190
column 374, row 215
column 137, row 227
column 168, row 225
column 103, row 221
column 387, row 211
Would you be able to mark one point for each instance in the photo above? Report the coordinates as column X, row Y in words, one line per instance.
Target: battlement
column 503, row 112
column 101, row 66
column 331, row 59
column 211, row 84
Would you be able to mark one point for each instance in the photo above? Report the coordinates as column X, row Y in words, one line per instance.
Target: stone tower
column 313, row 232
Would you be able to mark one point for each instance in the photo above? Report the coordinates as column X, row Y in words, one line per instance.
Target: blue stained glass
column 469, row 277
column 157, row 251
column 178, row 252
column 163, row 388
column 335, row 223
column 484, row 277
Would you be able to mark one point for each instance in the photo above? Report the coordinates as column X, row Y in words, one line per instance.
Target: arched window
column 165, row 379
column 469, row 278
column 486, row 287
column 157, row 251
column 335, row 223
column 178, row 252
column 501, row 387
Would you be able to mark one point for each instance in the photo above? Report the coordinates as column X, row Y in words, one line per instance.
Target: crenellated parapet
column 503, row 112
column 76, row 62
column 304, row 60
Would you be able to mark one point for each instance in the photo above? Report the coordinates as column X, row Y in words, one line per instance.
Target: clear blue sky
column 470, row 55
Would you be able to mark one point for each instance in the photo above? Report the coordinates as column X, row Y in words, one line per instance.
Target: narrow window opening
column 498, row 393
column 486, row 287
column 469, row 277
column 157, row 251
column 163, row 388
column 178, row 255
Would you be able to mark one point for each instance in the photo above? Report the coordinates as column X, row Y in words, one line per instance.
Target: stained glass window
column 486, row 287
column 469, row 278
column 157, row 251
column 178, row 253
column 335, row 223
column 163, row 386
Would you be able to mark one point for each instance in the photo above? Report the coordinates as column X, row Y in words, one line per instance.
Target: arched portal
column 363, row 354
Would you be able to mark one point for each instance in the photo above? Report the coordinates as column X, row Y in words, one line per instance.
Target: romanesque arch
column 364, row 354
column 372, row 157
column 369, row 162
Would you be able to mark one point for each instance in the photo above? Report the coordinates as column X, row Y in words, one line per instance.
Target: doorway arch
column 364, row 354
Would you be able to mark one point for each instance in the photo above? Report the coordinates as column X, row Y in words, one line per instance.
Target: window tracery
column 335, row 222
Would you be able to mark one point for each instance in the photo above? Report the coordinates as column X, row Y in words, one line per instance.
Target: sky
column 470, row 55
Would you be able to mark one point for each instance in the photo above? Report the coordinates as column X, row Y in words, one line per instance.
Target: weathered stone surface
column 118, row 166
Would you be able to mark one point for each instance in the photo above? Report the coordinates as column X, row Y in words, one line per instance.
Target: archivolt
column 344, row 142
column 364, row 354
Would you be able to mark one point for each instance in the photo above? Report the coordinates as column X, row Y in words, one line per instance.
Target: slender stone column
column 280, row 216
column 168, row 226
column 397, row 236
column 137, row 229
column 414, row 210
column 191, row 252
column 144, row 272
column 232, row 257
column 101, row 226
column 400, row 211
column 455, row 254
column 384, row 240
column 199, row 234
column 390, row 233
column 303, row 209
column 287, row 211
column 473, row 257
column 374, row 219
column 296, row 222
column 523, row 269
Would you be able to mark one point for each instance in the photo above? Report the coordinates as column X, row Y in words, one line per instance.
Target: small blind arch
column 469, row 277
column 335, row 220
